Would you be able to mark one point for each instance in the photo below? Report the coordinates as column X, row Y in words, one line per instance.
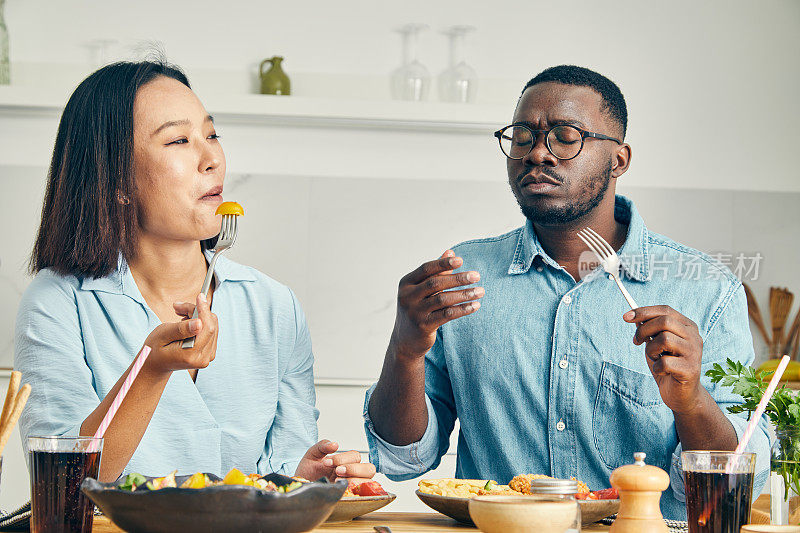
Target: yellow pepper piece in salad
column 196, row 481
column 235, row 477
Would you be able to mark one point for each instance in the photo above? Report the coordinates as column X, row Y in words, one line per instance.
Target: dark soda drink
column 717, row 502
column 57, row 503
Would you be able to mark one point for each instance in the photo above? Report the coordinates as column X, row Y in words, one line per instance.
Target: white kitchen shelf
column 300, row 111
column 417, row 140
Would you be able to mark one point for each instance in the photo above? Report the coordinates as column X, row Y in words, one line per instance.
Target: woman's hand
column 317, row 463
column 165, row 341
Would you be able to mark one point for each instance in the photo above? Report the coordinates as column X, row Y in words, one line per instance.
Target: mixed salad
column 200, row 481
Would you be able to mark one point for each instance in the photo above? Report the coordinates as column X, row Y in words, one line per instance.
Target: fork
column 608, row 258
column 227, row 236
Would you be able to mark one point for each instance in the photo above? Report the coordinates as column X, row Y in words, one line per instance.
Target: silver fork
column 608, row 258
column 227, row 236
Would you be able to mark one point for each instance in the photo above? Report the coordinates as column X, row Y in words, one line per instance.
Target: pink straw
column 137, row 366
column 762, row 405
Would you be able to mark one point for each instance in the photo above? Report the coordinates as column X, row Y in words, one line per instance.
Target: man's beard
column 592, row 193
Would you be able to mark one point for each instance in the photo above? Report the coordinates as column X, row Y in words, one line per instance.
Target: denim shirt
column 545, row 379
column 252, row 408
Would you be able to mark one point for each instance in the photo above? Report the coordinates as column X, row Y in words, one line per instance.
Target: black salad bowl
column 230, row 508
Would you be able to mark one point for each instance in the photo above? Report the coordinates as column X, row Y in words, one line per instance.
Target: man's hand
column 424, row 303
column 397, row 406
column 674, row 350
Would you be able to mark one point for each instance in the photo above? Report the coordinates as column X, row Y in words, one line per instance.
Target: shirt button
column 567, row 299
column 563, row 363
column 561, row 425
column 539, row 269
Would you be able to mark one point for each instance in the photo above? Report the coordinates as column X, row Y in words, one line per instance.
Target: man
column 547, row 371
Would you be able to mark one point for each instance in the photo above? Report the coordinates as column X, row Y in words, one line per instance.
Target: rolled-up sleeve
column 400, row 463
column 730, row 337
column 49, row 351
column 294, row 429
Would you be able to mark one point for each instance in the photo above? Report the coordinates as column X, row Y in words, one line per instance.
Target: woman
column 136, row 176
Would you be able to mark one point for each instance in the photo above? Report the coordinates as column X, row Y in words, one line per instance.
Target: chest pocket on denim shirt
column 630, row 416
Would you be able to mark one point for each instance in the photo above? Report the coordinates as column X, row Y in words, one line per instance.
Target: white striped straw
column 762, row 405
column 137, row 366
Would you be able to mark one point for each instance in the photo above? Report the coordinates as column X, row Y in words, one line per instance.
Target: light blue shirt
column 252, row 408
column 545, row 378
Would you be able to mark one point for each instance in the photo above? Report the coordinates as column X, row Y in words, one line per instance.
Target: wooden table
column 398, row 522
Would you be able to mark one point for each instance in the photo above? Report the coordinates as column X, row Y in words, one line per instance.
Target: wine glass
column 411, row 80
column 458, row 82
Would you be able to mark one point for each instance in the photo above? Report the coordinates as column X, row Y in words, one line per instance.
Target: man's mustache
column 543, row 172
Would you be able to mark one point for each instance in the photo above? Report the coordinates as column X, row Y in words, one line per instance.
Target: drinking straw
column 137, row 366
column 762, row 405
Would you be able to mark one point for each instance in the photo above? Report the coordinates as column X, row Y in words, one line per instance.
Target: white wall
column 727, row 68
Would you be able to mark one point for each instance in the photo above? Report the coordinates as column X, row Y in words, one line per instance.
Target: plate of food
column 204, row 502
column 360, row 498
column 451, row 496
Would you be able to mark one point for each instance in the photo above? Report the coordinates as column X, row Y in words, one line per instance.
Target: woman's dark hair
column 90, row 211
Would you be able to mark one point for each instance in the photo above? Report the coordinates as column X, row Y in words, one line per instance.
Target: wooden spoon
column 791, row 336
column 19, row 403
column 755, row 314
column 780, row 302
column 13, row 387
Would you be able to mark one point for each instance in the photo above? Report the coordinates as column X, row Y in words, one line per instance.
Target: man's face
column 552, row 191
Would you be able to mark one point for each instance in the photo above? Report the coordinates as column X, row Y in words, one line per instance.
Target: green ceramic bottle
column 275, row 80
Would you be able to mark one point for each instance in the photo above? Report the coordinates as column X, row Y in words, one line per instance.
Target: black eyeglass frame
column 535, row 133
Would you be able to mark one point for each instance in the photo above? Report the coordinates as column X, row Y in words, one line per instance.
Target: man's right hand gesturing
column 424, row 302
column 428, row 297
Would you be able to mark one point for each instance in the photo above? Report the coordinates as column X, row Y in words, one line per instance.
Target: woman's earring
column 124, row 200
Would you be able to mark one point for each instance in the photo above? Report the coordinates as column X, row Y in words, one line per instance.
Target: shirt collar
column 635, row 251
column 633, row 254
column 121, row 281
column 113, row 283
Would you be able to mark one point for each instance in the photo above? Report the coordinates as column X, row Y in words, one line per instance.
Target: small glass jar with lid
column 565, row 488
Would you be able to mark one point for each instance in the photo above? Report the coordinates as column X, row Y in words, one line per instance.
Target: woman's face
column 179, row 166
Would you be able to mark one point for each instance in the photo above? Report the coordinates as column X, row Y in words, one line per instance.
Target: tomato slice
column 607, row 494
column 368, row 488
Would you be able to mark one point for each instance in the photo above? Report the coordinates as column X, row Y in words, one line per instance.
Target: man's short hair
column 613, row 101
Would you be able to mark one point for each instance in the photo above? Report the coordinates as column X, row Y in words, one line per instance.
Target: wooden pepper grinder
column 640, row 487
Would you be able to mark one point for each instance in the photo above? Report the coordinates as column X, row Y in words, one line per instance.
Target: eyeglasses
column 563, row 141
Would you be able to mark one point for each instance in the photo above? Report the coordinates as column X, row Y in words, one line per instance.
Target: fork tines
column 228, row 229
column 596, row 243
column 608, row 258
